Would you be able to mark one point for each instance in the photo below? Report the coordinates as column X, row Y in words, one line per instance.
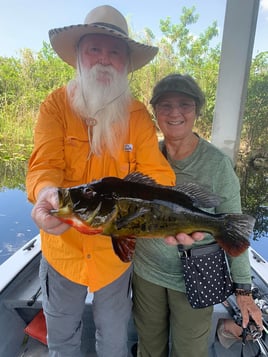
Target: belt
column 197, row 251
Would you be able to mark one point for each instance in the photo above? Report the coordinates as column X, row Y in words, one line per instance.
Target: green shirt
column 158, row 262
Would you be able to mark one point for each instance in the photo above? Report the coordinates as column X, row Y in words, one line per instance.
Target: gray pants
column 63, row 304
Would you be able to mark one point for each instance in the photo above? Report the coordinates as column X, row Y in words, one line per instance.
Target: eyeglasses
column 167, row 108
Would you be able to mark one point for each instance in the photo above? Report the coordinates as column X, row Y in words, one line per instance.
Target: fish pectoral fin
column 125, row 220
column 124, row 247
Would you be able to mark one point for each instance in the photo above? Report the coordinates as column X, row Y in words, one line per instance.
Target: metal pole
column 236, row 54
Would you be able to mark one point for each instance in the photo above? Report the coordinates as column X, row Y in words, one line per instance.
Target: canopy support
column 236, row 55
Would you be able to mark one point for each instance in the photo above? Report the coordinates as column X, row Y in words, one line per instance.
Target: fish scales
column 138, row 207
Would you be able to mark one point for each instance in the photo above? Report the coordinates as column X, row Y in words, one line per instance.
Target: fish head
column 79, row 206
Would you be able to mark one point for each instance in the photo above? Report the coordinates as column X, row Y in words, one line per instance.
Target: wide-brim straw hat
column 105, row 20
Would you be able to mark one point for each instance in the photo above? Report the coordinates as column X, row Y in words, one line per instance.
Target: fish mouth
column 88, row 216
column 65, row 204
column 67, row 208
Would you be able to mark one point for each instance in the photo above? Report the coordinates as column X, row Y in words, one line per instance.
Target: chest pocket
column 76, row 154
column 127, row 161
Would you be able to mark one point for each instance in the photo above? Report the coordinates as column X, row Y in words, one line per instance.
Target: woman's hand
column 46, row 201
column 184, row 239
column 249, row 309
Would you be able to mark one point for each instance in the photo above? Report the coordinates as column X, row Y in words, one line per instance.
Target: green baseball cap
column 181, row 84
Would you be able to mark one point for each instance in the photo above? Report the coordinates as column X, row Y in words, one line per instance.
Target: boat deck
column 17, row 310
column 32, row 348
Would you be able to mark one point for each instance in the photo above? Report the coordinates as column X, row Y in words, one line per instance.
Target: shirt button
column 88, row 256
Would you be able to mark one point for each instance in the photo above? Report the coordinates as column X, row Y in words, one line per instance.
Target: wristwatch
column 242, row 289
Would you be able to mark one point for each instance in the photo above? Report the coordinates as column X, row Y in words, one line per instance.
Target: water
column 17, row 226
column 261, row 246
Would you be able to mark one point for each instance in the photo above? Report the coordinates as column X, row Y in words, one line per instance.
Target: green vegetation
column 24, row 83
column 27, row 80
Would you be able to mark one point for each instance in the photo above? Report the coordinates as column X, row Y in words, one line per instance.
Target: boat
column 21, row 308
column 22, row 326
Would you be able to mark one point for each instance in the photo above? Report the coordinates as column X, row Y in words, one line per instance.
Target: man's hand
column 47, row 200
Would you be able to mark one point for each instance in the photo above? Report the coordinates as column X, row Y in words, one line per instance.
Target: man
column 87, row 130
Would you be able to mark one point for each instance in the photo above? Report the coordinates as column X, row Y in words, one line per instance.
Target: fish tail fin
column 235, row 234
column 124, row 247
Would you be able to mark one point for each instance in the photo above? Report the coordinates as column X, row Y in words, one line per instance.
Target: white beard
column 107, row 103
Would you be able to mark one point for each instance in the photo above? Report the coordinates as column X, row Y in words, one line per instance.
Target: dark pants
column 163, row 315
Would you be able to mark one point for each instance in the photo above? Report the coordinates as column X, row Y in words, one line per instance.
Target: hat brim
column 155, row 99
column 64, row 41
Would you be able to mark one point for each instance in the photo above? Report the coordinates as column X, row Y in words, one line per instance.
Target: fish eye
column 88, row 192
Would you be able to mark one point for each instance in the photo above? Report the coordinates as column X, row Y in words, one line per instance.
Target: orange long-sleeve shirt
column 60, row 159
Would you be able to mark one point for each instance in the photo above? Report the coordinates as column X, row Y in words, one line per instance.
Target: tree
column 255, row 125
column 26, row 81
column 181, row 51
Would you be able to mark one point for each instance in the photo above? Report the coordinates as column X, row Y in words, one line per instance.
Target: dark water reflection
column 254, row 195
column 17, row 226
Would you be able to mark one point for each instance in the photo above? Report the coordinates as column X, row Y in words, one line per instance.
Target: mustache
column 92, row 74
column 105, row 101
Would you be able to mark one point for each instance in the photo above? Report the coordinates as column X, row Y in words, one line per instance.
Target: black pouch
column 206, row 275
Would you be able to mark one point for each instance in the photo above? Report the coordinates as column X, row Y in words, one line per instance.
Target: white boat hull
column 20, row 285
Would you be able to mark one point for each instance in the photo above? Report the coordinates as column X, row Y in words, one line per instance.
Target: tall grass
column 16, row 143
column 16, row 123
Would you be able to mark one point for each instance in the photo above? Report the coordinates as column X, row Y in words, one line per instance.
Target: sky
column 25, row 23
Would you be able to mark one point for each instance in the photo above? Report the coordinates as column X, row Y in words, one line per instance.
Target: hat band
column 113, row 27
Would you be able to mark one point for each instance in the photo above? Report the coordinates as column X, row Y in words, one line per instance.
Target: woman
column 161, row 307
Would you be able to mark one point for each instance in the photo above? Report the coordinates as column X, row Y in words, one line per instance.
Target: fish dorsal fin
column 141, row 178
column 199, row 196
